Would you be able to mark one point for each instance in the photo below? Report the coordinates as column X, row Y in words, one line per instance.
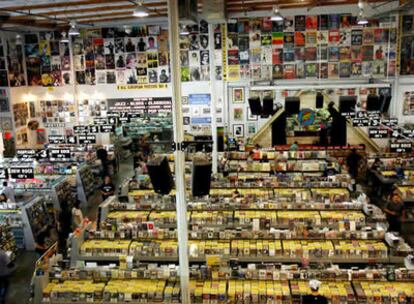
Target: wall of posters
column 407, row 45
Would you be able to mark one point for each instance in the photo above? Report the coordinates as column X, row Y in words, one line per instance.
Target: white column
column 182, row 225
column 213, row 83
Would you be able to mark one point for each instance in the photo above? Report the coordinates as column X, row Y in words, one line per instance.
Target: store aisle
column 19, row 288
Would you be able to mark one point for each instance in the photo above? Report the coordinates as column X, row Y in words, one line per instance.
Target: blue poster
column 201, row 120
column 199, row 99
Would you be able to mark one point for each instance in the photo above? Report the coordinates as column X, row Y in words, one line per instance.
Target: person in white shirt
column 8, row 191
column 77, row 216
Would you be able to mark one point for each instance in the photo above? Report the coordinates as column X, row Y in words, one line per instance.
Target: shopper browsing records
column 352, row 161
column 107, row 188
column 41, row 242
column 314, row 297
column 6, row 269
column 64, row 228
column 395, row 211
column 294, row 146
column 77, row 216
column 377, row 164
column 3, row 198
column 8, row 191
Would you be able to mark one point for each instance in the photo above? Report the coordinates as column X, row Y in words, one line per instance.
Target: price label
column 360, row 122
column 389, row 122
column 59, row 154
column 26, row 154
column 100, row 121
column 401, row 147
column 94, row 129
column 107, row 128
column 57, row 139
column 378, row 133
column 21, row 172
column 71, row 140
column 87, row 139
column 80, row 129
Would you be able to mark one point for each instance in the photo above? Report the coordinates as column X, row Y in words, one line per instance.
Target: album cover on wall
column 300, row 23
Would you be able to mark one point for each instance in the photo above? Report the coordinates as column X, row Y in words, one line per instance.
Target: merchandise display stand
column 86, row 184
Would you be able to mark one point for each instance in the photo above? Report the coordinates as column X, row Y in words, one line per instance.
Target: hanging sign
column 56, row 139
column 141, row 105
column 373, row 122
column 94, row 129
column 378, row 133
column 389, row 122
column 408, row 133
column 59, row 154
column 71, row 140
column 360, row 122
column 80, row 129
column 100, row 120
column 21, row 172
column 401, row 147
column 26, row 154
column 142, row 86
column 43, row 154
column 86, row 139
column 124, row 117
column 107, row 128
column 3, row 173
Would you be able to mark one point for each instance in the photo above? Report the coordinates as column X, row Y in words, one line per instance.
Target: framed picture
column 238, row 114
column 238, row 95
column 251, row 129
column 250, row 116
column 238, row 130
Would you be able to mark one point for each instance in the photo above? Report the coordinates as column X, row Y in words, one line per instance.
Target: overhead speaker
column 386, row 104
column 201, row 178
column 292, row 105
column 160, row 175
column 319, row 100
column 373, row 103
column 255, row 105
column 347, row 104
column 267, row 106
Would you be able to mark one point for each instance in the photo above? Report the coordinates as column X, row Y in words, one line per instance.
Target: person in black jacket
column 64, row 227
column 314, row 297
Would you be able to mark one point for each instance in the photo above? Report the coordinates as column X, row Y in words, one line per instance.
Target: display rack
column 7, row 240
column 86, row 184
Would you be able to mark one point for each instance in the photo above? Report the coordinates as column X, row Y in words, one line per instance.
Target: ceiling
column 57, row 13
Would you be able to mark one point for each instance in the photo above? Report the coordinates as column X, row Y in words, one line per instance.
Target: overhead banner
column 141, row 105
column 142, row 86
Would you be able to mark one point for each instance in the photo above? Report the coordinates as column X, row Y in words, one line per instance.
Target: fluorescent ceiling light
column 184, row 30
column 140, row 11
column 64, row 38
column 362, row 20
column 276, row 16
column 73, row 31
